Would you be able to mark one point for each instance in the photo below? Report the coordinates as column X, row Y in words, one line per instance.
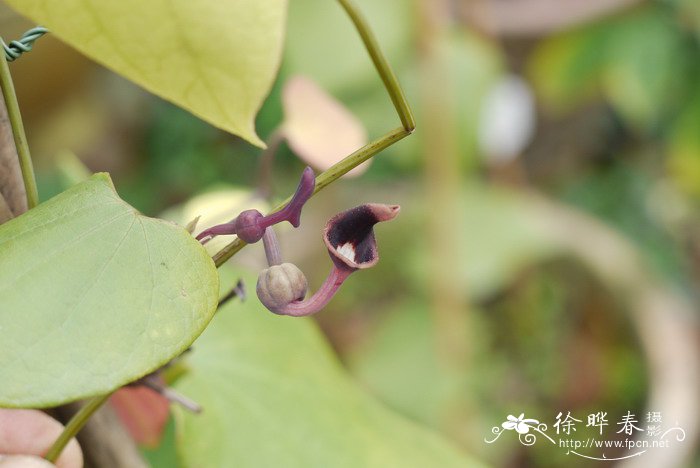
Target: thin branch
column 25, row 158
column 152, row 382
column 380, row 63
column 237, row 291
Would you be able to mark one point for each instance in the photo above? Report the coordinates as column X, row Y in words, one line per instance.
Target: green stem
column 369, row 150
column 344, row 166
column 380, row 63
column 25, row 158
column 74, row 426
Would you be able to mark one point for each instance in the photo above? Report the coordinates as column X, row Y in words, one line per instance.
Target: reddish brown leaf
column 143, row 412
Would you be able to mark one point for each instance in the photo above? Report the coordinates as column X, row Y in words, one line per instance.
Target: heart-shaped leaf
column 215, row 58
column 94, row 295
column 274, row 395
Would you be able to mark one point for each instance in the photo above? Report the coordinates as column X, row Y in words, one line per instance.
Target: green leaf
column 215, row 58
column 566, row 68
column 273, row 396
column 95, row 295
column 683, row 160
column 638, row 62
column 502, row 232
column 409, row 377
column 646, row 68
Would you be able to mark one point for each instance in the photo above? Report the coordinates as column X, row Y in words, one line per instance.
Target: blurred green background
column 547, row 254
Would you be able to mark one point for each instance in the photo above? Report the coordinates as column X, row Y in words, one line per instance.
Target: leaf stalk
column 76, row 423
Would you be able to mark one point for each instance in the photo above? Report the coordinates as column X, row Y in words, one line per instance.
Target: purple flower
column 349, row 237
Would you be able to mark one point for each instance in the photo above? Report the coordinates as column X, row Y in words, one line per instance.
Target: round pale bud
column 248, row 227
column 280, row 285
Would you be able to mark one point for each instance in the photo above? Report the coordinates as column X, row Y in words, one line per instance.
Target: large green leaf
column 409, row 377
column 274, row 396
column 216, row 58
column 94, row 295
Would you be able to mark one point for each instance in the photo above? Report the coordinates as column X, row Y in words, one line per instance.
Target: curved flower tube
column 349, row 238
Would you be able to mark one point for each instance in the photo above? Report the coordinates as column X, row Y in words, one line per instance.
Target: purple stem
column 256, row 223
column 221, row 229
column 272, row 247
column 322, row 297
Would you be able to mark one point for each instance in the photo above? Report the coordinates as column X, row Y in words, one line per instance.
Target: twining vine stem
column 380, row 63
column 25, row 158
column 74, row 426
column 324, row 179
column 15, row 49
column 369, row 150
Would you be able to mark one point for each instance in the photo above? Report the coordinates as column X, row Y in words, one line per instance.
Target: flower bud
column 251, row 224
column 280, row 285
